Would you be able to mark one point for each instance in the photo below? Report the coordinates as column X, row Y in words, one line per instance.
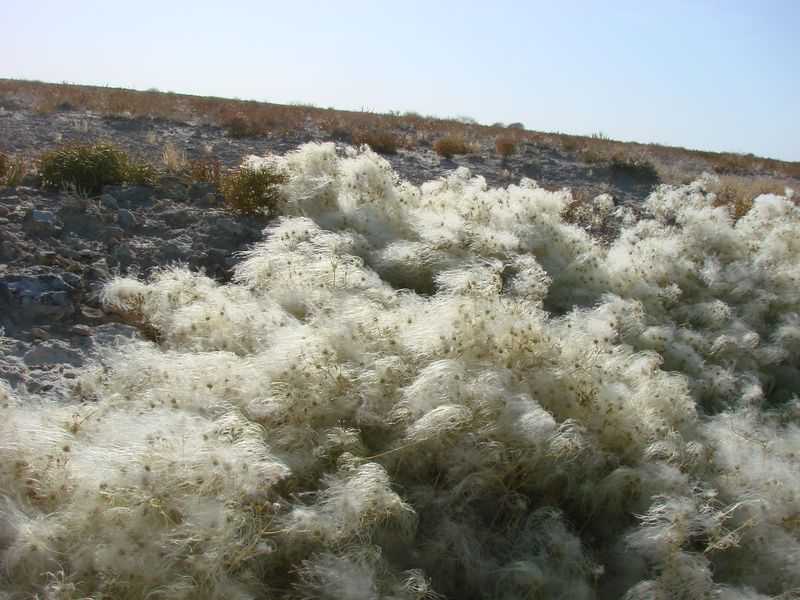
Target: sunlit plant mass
column 432, row 391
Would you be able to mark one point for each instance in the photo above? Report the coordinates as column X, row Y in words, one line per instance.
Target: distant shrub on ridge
column 382, row 142
column 448, row 147
column 505, row 148
column 633, row 167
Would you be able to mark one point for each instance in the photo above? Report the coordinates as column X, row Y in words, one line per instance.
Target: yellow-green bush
column 205, row 170
column 88, row 167
column 252, row 191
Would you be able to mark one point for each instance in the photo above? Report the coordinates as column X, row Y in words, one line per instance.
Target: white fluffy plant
column 720, row 296
column 423, row 392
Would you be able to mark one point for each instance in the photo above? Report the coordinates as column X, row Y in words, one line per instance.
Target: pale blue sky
column 702, row 74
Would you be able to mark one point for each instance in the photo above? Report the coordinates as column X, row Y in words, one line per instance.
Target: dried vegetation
column 386, row 132
column 447, row 390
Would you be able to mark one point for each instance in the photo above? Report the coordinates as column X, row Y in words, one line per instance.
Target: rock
column 100, row 269
column 109, row 201
column 126, row 219
column 82, row 330
column 208, row 200
column 231, row 227
column 215, row 257
column 114, row 233
column 128, row 195
column 91, row 315
column 73, row 205
column 42, row 222
column 36, row 297
column 73, row 282
column 178, row 248
column 9, row 250
column 173, row 180
column 39, row 333
column 174, row 187
column 177, row 218
column 109, row 334
column 170, row 251
column 123, row 253
column 52, row 352
column 201, row 190
column 45, row 257
column 86, row 254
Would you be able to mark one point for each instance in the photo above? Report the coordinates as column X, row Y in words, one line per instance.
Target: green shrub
column 140, row 173
column 205, row 170
column 251, row 191
column 88, row 167
column 448, row 147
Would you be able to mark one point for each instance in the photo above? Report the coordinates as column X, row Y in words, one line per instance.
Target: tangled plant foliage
column 435, row 391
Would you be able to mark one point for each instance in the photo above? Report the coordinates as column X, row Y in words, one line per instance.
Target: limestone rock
column 35, row 297
column 42, row 222
column 126, row 219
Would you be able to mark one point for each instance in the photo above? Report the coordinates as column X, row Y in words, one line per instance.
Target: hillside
column 228, row 129
column 399, row 375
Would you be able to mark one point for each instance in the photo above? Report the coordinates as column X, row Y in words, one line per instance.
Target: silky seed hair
column 431, row 391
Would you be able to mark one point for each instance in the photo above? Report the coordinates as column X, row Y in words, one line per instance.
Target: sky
column 711, row 75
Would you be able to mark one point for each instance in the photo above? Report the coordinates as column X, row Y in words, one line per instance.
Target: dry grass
column 254, row 119
column 505, row 148
column 673, row 164
column 382, row 142
column 447, row 147
column 241, row 126
column 738, row 191
column 174, row 158
column 12, row 170
column 81, row 125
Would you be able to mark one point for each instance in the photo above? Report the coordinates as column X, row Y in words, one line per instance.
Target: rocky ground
column 57, row 249
column 24, row 132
